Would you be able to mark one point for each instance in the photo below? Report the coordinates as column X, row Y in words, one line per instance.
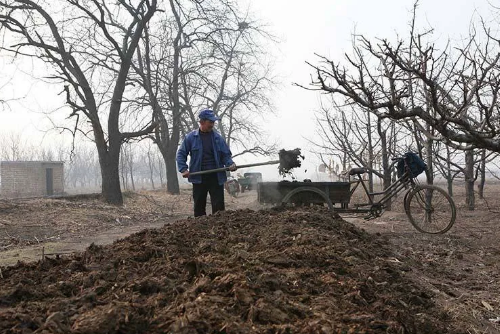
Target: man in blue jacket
column 207, row 150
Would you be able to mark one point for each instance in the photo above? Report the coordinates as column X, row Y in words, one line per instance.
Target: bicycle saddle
column 356, row 171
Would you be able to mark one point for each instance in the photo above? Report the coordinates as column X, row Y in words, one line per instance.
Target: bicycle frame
column 375, row 208
column 394, row 188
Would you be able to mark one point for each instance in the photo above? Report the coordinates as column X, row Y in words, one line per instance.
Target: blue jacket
column 192, row 146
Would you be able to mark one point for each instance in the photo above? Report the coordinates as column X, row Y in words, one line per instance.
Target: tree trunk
column 169, row 156
column 387, row 175
column 110, row 172
column 132, row 178
column 430, row 163
column 370, row 152
column 482, row 174
column 385, row 161
column 151, row 170
column 131, row 169
column 124, row 173
column 469, row 180
column 160, row 172
column 172, row 181
column 449, row 177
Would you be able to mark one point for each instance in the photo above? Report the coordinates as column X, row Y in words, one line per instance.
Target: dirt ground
column 242, row 271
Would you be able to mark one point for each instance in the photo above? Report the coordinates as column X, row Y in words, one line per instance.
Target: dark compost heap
column 272, row 271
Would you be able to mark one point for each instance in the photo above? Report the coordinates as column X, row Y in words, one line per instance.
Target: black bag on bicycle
column 415, row 165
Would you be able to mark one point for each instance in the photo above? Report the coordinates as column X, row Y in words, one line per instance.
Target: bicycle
column 429, row 208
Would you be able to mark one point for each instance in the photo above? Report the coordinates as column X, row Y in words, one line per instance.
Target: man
column 207, row 150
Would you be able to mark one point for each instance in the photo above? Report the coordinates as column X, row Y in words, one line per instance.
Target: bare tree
column 447, row 94
column 238, row 86
column 203, row 54
column 14, row 148
column 459, row 86
column 362, row 138
column 90, row 48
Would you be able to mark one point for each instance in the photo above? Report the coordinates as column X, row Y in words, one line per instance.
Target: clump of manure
column 289, row 160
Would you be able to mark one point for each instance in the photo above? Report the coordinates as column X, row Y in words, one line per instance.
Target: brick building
column 31, row 178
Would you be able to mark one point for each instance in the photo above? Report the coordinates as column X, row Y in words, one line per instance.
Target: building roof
column 37, row 162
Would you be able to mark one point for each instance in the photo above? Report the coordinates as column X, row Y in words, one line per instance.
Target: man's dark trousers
column 209, row 184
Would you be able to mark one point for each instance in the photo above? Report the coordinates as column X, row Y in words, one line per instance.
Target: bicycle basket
column 415, row 164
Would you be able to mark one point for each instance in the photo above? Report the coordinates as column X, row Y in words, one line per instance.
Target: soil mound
column 270, row 271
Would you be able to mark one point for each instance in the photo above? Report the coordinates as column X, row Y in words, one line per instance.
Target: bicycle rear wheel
column 430, row 209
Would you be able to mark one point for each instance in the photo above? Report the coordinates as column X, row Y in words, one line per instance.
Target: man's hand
column 185, row 173
column 233, row 167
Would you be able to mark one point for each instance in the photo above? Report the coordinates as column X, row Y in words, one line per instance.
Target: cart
column 429, row 208
column 334, row 194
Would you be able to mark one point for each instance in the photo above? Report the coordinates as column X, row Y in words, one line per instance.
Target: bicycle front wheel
column 430, row 209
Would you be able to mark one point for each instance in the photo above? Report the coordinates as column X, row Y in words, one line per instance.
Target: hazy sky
column 304, row 28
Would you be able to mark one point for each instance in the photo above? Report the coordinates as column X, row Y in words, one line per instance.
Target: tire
column 288, row 198
column 437, row 217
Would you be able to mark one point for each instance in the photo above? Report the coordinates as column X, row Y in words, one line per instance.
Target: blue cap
column 208, row 114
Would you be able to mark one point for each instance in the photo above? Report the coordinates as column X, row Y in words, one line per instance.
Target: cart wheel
column 294, row 192
column 430, row 209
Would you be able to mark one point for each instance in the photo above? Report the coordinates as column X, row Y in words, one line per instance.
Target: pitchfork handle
column 223, row 169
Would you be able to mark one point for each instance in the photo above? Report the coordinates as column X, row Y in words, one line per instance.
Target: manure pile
column 272, row 271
